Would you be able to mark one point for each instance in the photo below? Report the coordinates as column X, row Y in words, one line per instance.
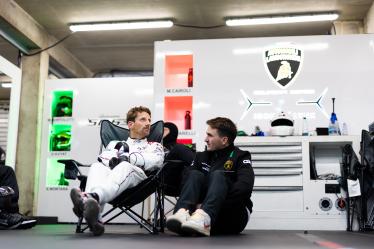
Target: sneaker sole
column 174, row 225
column 91, row 213
column 15, row 226
column 192, row 230
column 76, row 198
column 27, row 224
column 21, row 224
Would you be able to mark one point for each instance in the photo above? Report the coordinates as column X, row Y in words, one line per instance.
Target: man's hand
column 6, row 191
column 117, row 160
column 122, row 147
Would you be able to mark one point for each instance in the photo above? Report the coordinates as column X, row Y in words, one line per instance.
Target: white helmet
column 281, row 125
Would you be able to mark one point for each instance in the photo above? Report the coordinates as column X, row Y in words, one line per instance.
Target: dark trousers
column 211, row 191
column 208, row 189
column 232, row 219
column 173, row 177
column 8, row 178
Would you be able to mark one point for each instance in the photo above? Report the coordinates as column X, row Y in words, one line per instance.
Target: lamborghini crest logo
column 283, row 64
column 228, row 165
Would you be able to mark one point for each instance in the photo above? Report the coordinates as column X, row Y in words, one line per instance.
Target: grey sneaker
column 78, row 198
column 91, row 212
column 27, row 222
column 174, row 222
column 15, row 221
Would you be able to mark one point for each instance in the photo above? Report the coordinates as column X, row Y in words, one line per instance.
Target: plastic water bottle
column 344, row 129
column 334, row 128
column 305, row 131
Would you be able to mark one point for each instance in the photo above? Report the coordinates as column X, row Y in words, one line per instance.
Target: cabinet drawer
column 275, row 157
column 279, row 180
column 273, row 149
column 277, row 164
column 277, row 171
column 277, row 200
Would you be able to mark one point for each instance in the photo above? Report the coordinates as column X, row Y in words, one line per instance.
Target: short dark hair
column 225, row 127
column 133, row 112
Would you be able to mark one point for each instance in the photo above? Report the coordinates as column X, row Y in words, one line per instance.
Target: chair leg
column 162, row 201
column 78, row 229
column 162, row 210
column 141, row 226
column 173, row 203
column 156, row 212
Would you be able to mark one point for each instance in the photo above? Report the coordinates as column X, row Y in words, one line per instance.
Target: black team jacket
column 237, row 166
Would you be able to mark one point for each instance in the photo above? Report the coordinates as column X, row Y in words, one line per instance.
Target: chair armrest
column 172, row 161
column 72, row 161
column 72, row 171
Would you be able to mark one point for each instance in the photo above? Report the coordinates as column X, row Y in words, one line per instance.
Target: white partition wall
column 72, row 112
column 14, row 73
column 251, row 79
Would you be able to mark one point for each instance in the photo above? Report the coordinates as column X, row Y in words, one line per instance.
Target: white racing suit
column 109, row 183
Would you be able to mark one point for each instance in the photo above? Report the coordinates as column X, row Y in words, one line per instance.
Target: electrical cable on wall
column 19, row 57
column 334, row 29
column 51, row 46
column 198, row 27
column 176, row 24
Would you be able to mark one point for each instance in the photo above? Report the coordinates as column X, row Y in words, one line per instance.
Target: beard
column 146, row 131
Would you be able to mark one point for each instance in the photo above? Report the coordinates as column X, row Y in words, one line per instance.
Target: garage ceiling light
column 281, row 19
column 6, row 84
column 121, row 25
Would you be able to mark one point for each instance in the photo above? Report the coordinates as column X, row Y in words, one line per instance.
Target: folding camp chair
column 367, row 181
column 350, row 171
column 171, row 185
column 360, row 207
column 132, row 196
column 2, row 156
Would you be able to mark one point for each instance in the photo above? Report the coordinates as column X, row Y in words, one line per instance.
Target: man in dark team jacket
column 181, row 154
column 10, row 218
column 218, row 186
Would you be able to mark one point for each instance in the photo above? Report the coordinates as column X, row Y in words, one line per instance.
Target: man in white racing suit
column 122, row 165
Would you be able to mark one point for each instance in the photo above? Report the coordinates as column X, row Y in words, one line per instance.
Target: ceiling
column 132, row 50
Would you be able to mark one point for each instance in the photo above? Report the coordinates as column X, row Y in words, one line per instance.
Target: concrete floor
column 62, row 236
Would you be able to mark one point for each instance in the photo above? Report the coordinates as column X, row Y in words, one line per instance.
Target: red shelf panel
column 177, row 68
column 175, row 111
